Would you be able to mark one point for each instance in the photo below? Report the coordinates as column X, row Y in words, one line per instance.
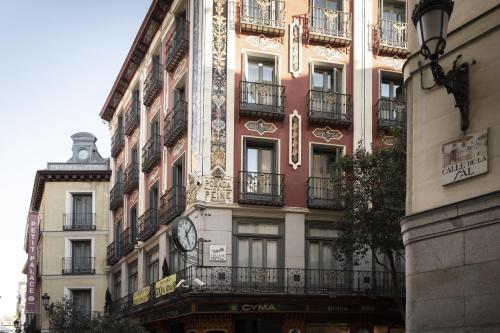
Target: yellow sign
column 165, row 285
column 141, row 296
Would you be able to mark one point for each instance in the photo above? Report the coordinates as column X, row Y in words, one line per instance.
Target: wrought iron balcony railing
column 324, row 193
column 117, row 142
column 293, row 282
column 133, row 115
column 261, row 188
column 177, row 45
column 263, row 16
column 113, row 253
column 131, row 178
column 147, row 224
column 116, row 196
column 330, row 26
column 79, row 221
column 153, row 84
column 391, row 114
column 175, row 123
column 151, row 153
column 392, row 36
column 330, row 108
column 173, row 203
column 129, row 240
column 262, row 100
column 78, row 265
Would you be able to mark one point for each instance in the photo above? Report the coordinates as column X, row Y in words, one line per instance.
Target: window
column 152, row 266
column 82, row 298
column 327, row 79
column 153, row 197
column 260, row 167
column 133, row 224
column 132, row 277
column 324, row 162
column 82, row 261
column 326, row 90
column 324, row 19
column 391, row 87
column 134, row 155
column 117, row 234
column 82, row 211
column 177, row 259
column 394, row 10
column 261, row 88
column 255, row 13
column 390, row 105
column 117, row 285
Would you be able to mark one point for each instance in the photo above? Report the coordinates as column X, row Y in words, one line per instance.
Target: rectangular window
column 153, row 196
column 152, row 266
column 134, row 154
column 326, row 94
column 132, row 277
column 82, row 299
column 117, row 285
column 178, row 173
column 81, row 256
column 133, row 225
column 394, row 10
column 260, row 168
column 82, row 210
column 391, row 87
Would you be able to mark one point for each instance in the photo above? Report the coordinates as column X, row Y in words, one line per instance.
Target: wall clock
column 184, row 234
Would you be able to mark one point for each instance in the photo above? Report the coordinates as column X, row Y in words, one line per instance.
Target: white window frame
column 68, row 209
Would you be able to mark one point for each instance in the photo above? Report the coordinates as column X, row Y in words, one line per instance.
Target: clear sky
column 58, row 61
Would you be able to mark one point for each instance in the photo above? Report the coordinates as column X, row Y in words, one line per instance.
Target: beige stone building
column 72, row 202
column 452, row 228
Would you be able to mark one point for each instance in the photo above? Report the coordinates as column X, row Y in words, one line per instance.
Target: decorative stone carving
column 132, row 199
column 219, row 85
column 135, row 136
column 327, row 134
column 176, row 150
column 218, row 189
column 295, row 139
column 262, row 42
column 260, row 126
column 330, row 53
column 180, row 70
column 394, row 62
column 194, row 184
column 388, row 140
column 295, row 62
column 153, row 175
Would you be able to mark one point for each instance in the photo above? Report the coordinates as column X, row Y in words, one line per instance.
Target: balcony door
column 324, row 173
column 261, row 88
column 153, row 197
column 81, row 256
column 134, row 155
column 394, row 10
column 260, row 177
column 259, row 12
column 82, row 211
column 393, row 14
column 82, row 298
column 391, row 91
column 325, row 17
column 326, row 90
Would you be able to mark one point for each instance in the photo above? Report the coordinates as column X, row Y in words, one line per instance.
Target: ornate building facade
column 232, row 114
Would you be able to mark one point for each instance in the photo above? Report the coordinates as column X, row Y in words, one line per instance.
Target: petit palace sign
column 464, row 158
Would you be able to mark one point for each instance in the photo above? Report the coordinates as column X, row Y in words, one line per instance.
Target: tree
column 374, row 194
column 108, row 302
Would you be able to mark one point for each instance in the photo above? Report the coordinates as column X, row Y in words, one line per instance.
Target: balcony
column 235, row 282
column 131, row 176
column 147, row 224
column 133, row 115
column 392, row 37
column 265, row 16
column 262, row 100
column 113, row 253
column 79, row 221
column 78, row 265
column 261, row 188
column 330, row 26
column 329, row 108
column 391, row 114
column 324, row 193
column 153, row 84
column 151, row 153
column 128, row 239
column 116, row 197
column 117, row 142
column 175, row 123
column 173, row 204
column 177, row 45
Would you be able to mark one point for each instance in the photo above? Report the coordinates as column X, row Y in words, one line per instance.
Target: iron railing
column 133, row 116
column 128, row 239
column 175, row 123
column 79, row 221
column 392, row 35
column 151, row 153
column 327, row 107
column 262, row 99
column 78, row 265
column 117, row 142
column 324, row 193
column 326, row 25
column 147, row 224
column 263, row 16
column 131, row 178
column 177, row 45
column 113, row 252
column 153, row 83
column 261, row 188
column 391, row 113
column 116, row 196
column 173, row 203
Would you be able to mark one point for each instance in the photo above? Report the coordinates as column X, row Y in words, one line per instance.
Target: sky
column 58, row 62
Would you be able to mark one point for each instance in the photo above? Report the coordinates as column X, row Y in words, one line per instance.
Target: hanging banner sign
column 141, row 296
column 165, row 285
column 32, row 241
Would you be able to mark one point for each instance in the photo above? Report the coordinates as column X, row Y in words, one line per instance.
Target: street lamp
column 431, row 18
column 17, row 326
column 45, row 302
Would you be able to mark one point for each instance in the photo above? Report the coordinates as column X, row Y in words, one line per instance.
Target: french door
column 81, row 256
column 261, row 88
column 260, row 177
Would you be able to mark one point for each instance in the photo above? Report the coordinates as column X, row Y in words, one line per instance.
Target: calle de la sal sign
column 464, row 158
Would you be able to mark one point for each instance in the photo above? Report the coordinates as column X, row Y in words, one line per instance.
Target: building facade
column 233, row 114
column 452, row 230
column 70, row 203
column 21, row 302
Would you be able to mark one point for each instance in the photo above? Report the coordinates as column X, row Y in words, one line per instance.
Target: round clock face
column 83, row 154
column 184, row 233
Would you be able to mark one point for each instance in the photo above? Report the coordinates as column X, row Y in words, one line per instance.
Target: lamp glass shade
column 45, row 299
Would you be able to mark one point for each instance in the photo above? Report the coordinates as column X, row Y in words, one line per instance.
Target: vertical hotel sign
column 32, row 260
